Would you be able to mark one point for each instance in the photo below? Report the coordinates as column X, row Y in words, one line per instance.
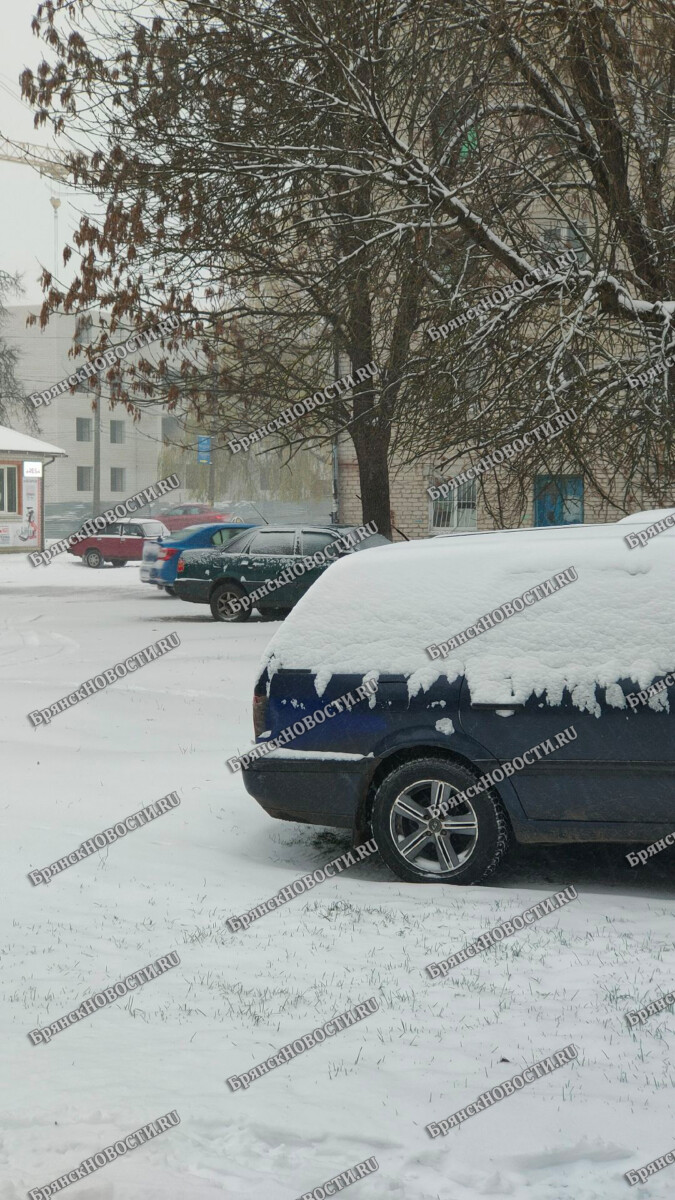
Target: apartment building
column 129, row 451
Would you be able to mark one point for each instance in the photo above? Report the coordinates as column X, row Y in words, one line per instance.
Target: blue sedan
column 160, row 558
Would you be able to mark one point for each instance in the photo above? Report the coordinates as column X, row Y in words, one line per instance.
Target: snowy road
column 430, row 1049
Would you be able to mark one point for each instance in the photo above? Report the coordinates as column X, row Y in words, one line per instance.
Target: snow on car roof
column 375, row 613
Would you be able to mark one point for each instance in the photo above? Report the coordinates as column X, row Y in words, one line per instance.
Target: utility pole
column 96, row 491
column 212, row 475
column 335, row 447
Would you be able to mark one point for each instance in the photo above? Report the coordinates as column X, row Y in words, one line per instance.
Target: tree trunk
column 372, row 452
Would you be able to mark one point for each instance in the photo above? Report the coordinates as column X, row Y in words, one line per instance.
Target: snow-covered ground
column 235, row 999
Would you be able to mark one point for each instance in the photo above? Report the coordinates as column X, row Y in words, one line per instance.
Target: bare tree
column 578, row 110
column 14, row 405
column 243, row 190
column 311, row 177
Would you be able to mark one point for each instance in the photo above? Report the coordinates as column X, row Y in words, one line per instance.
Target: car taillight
column 181, row 566
column 259, row 713
column 166, row 552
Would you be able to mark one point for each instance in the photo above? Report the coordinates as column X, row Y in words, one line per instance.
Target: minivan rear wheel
column 462, row 845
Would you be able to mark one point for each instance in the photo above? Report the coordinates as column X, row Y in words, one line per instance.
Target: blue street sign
column 204, row 449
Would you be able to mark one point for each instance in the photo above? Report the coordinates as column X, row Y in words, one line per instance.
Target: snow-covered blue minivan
column 448, row 695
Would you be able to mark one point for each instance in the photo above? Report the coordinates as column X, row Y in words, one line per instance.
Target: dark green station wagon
column 268, row 569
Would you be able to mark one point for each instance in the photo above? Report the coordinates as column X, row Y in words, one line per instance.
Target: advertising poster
column 25, row 531
column 28, row 530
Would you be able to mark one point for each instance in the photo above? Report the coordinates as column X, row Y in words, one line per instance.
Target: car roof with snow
column 376, row 613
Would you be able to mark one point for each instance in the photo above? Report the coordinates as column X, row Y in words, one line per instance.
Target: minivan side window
column 312, row 540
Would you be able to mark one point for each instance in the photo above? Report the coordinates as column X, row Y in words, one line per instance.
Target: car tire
column 220, row 597
column 467, row 854
column 170, row 591
column 93, row 558
column 119, row 562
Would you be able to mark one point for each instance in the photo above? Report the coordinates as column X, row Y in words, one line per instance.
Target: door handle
column 512, row 705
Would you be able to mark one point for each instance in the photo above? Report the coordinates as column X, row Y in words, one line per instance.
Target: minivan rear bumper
column 322, row 792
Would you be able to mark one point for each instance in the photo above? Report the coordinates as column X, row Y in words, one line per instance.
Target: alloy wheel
column 432, row 842
column 224, row 599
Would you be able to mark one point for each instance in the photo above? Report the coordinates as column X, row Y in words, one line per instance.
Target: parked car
column 221, row 578
column 530, row 717
column 119, row 543
column 160, row 556
column 180, row 516
column 64, row 518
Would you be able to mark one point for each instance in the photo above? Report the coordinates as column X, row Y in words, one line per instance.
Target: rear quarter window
column 222, row 537
column 314, row 539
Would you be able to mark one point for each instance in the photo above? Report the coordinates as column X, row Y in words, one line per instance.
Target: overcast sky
column 27, row 224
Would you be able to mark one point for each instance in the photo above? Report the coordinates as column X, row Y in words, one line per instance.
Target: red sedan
column 182, row 515
column 120, row 543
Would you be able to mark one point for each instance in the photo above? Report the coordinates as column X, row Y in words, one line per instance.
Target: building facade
column 565, row 499
column 128, row 451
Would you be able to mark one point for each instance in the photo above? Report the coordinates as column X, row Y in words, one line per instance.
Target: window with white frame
column 457, row 512
column 83, row 337
column 8, row 490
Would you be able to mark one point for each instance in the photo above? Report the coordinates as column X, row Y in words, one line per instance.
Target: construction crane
column 33, row 156
column 40, row 160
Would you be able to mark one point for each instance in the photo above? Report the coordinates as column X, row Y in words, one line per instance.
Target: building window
column 574, row 242
column 86, row 385
column 558, row 500
column 558, row 238
column 171, row 430
column 470, row 142
column 553, row 238
column 83, row 327
column 117, row 475
column 8, row 490
column 458, row 511
column 84, row 479
column 83, row 337
column 117, row 431
column 83, row 427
